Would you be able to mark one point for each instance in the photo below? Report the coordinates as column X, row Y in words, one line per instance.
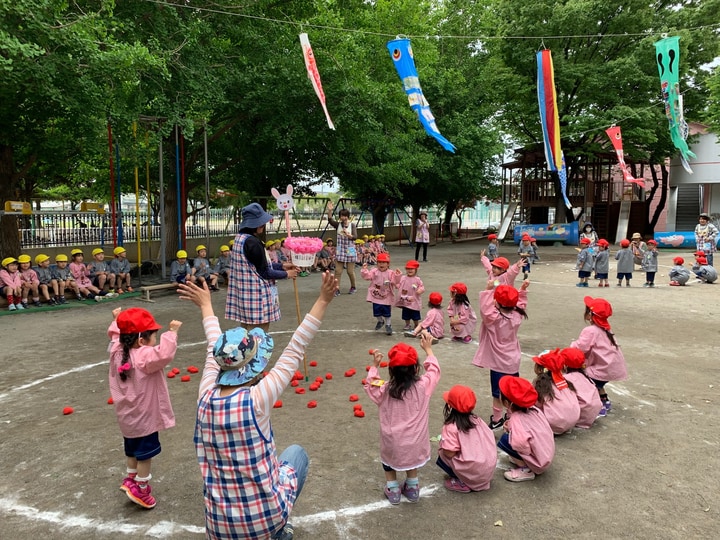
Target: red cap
column 702, row 260
column 461, row 398
column 678, row 260
column 410, row 264
column 383, row 257
column 436, row 298
column 624, row 243
column 604, row 243
column 651, row 243
column 501, row 262
column 492, row 236
column 136, row 320
column 458, row 288
column 599, row 306
column 402, row 354
column 506, row 296
column 585, row 241
column 574, row 358
column 699, row 253
column 519, row 391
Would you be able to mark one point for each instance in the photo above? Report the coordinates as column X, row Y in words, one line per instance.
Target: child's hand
column 482, row 253
column 174, row 326
column 116, row 312
column 490, row 285
column 520, row 263
column 525, row 285
column 398, row 272
column 329, row 286
column 426, row 342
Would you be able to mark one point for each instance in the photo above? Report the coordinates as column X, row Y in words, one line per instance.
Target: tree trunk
column 447, row 222
column 9, row 239
column 379, row 213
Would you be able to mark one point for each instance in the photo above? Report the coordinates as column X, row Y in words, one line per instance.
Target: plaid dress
column 345, row 251
column 250, row 298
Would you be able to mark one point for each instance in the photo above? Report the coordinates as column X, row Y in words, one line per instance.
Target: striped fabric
column 248, row 493
column 250, row 298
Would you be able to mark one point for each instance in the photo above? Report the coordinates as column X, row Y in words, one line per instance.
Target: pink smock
column 465, row 325
column 380, row 290
column 530, row 436
column 603, row 361
column 562, row 412
column 587, row 397
column 409, row 291
column 476, row 457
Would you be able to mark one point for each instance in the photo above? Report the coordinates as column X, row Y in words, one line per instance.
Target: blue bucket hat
column 242, row 355
column 253, row 216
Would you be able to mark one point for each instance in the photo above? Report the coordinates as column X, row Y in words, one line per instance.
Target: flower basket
column 303, row 259
column 303, row 249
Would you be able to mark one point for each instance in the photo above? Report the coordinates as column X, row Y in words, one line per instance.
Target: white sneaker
column 98, row 298
column 19, row 306
column 11, row 307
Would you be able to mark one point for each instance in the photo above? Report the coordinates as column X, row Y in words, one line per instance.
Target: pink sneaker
column 455, row 484
column 140, row 496
column 521, row 474
column 127, row 484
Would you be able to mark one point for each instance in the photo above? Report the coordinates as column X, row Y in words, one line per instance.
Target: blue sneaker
column 603, row 412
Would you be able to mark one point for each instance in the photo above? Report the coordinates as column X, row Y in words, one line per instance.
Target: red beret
column 461, row 398
column 501, row 262
column 624, row 243
column 506, row 296
column 602, row 242
column 402, row 354
column 383, row 257
column 651, row 243
column 436, row 298
column 136, row 320
column 699, row 253
column 458, row 288
column 519, row 391
column 492, row 236
column 678, row 260
column 412, row 264
column 585, row 241
column 574, row 358
column 702, row 260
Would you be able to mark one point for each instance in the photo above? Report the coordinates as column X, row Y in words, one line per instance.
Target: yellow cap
column 61, row 258
column 231, row 242
column 359, row 242
column 97, row 251
column 200, row 247
column 8, row 260
column 182, row 254
column 24, row 258
column 269, row 243
column 76, row 251
column 118, row 250
column 224, row 248
column 41, row 258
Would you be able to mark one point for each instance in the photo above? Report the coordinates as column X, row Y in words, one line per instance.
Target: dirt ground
column 648, row 470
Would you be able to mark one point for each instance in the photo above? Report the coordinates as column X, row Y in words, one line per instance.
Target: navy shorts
column 504, row 445
column 142, row 448
column 526, row 267
column 600, row 385
column 495, row 377
column 583, row 274
column 381, row 310
column 410, row 314
column 625, row 275
column 601, row 276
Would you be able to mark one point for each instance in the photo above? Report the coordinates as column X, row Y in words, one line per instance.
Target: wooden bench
column 147, row 289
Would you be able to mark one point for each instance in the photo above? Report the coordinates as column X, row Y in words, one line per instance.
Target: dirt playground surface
column 648, row 470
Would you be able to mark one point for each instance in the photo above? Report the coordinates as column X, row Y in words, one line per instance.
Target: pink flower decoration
column 304, row 244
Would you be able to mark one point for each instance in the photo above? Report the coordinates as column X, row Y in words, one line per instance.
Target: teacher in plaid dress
column 252, row 297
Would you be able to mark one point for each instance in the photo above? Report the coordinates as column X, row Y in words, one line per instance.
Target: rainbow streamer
column 550, row 120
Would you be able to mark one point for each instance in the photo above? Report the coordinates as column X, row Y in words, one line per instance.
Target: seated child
column 330, row 247
column 222, row 266
column 322, row 260
column 180, row 271
column 45, row 279
column 202, row 270
column 64, row 278
column 82, row 277
column 585, row 390
column 556, row 397
column 679, row 275
column 30, row 281
column 434, row 321
column 11, row 283
column 120, row 266
column 528, row 439
column 462, row 316
column 99, row 271
column 703, row 271
column 467, row 446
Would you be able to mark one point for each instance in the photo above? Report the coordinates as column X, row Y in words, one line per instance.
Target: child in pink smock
column 604, row 361
column 528, row 439
column 82, row 276
column 249, row 489
column 500, row 270
column 380, row 291
column 404, row 408
column 502, row 310
column 556, row 398
column 11, row 283
column 434, row 321
column 467, row 446
column 409, row 294
column 462, row 315
column 140, row 394
column 30, row 281
column 585, row 390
